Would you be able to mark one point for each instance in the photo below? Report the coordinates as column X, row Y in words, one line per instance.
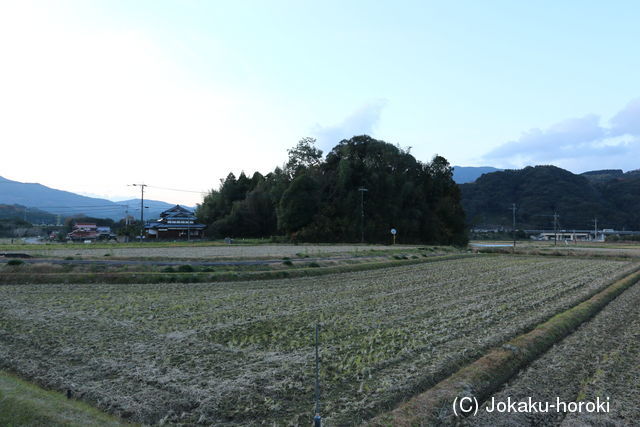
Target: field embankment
column 484, row 376
column 599, row 360
column 122, row 271
column 24, row 404
column 202, row 251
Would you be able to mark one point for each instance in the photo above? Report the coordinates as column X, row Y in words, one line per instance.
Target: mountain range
column 611, row 197
column 38, row 197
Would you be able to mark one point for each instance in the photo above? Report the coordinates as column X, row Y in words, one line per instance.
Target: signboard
column 394, row 231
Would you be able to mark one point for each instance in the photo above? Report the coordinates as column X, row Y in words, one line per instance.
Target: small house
column 83, row 231
column 175, row 223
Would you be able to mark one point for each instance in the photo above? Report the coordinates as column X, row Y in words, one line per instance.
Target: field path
column 212, row 252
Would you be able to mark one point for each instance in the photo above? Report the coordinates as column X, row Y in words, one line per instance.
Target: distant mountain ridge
column 66, row 203
column 611, row 196
column 466, row 174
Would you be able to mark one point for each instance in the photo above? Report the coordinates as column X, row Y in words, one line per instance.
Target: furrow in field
column 600, row 360
column 237, row 352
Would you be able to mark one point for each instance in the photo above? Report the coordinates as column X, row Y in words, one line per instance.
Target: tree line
column 316, row 199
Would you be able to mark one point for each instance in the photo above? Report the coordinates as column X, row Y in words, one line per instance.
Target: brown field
column 206, row 252
column 241, row 353
column 599, row 360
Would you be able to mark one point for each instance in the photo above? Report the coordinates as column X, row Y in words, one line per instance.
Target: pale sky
column 95, row 95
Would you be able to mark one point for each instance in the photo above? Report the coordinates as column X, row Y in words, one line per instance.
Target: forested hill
column 34, row 216
column 362, row 187
column 611, row 196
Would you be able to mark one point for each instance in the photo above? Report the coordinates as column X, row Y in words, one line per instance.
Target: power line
column 78, row 206
column 177, row 189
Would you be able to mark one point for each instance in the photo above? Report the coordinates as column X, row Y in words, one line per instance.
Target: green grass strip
column 486, row 375
column 25, row 404
column 206, row 277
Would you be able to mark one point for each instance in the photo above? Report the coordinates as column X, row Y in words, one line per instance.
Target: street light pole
column 555, row 228
column 513, row 229
column 362, row 190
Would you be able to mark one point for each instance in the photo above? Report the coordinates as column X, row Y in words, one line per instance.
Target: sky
column 98, row 95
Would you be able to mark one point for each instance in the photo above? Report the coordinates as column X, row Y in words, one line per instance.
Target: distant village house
column 175, row 223
column 83, row 231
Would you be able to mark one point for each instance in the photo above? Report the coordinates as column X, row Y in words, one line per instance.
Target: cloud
column 627, row 121
column 362, row 121
column 577, row 143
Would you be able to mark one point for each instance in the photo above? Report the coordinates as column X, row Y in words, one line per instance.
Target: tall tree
column 302, row 157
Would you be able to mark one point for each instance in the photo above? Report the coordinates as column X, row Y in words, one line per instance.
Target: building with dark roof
column 175, row 223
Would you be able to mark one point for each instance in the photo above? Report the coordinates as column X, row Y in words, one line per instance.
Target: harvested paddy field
column 242, row 353
column 600, row 360
column 208, row 252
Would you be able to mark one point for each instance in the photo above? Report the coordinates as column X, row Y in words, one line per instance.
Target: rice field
column 242, row 353
column 599, row 362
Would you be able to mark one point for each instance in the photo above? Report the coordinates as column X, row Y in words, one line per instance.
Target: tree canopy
column 363, row 186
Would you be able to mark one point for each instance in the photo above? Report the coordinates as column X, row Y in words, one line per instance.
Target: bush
column 169, row 270
column 15, row 262
column 287, row 262
column 186, row 268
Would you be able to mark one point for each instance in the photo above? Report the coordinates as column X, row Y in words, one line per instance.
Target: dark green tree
column 298, row 205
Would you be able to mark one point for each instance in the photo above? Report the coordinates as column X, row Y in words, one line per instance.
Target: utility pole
column 362, row 190
column 513, row 230
column 555, row 228
column 126, row 223
column 141, row 208
column 595, row 229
